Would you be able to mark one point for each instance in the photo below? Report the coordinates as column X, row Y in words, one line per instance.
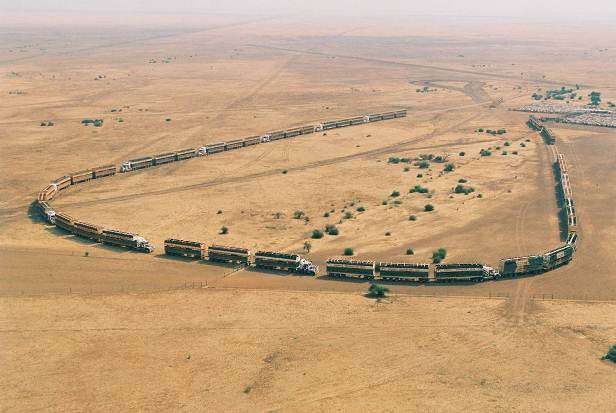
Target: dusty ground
column 224, row 78
column 230, row 350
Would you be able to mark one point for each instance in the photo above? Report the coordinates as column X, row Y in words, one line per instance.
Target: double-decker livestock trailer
column 234, row 144
column 90, row 231
column 403, row 271
column 558, row 257
column 343, row 123
column 182, row 248
column 81, row 176
column 460, row 272
column 164, row 158
column 282, row 261
column 222, row 253
column 375, row 117
column 307, row 129
column 358, row 120
column 48, row 193
column 253, row 140
column 330, row 124
column 211, row 148
column 102, row 171
column 293, row 132
column 388, row 115
column 64, row 221
column 400, row 113
column 350, row 268
column 186, row 154
column 515, row 266
column 273, row 136
column 62, row 182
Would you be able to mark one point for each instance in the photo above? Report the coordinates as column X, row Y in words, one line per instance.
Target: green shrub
column 348, row 251
column 360, row 209
column 412, row 218
column 298, row 214
column 393, row 159
column 377, row 291
column 397, row 201
column 507, row 143
column 449, row 167
column 485, row 152
column 461, row 189
column 395, row 194
column 439, row 255
column 224, row 230
column 423, row 164
column 384, row 202
column 331, row 229
column 326, row 215
column 504, row 153
column 406, row 169
column 418, row 188
column 515, row 152
column 611, row 354
column 347, row 215
column 462, row 181
column 480, row 130
column 429, row 207
column 409, row 251
column 462, row 153
column 387, row 234
column 317, row 234
column 419, row 175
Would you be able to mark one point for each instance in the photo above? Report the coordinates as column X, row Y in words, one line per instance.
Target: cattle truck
column 126, row 239
column 102, row 171
column 81, row 176
column 271, row 260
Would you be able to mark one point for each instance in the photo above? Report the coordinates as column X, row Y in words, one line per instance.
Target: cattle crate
column 102, row 171
column 350, row 268
column 293, row 132
column 253, row 140
column 164, row 158
column 182, row 248
column 81, row 176
column 459, row 272
column 63, row 182
column 307, row 129
column 276, row 260
column 280, row 134
column 234, row 255
column 400, row 113
column 391, row 271
column 185, row 154
column 234, row 144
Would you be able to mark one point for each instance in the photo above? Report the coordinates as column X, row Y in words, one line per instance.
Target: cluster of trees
column 418, row 188
column 439, row 255
column 96, row 122
column 595, row 98
column 47, row 123
column 461, row 189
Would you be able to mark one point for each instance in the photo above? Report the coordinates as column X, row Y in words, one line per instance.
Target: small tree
column 317, row 234
column 377, row 291
column 298, row 214
column 331, row 229
column 462, row 153
column 449, row 167
column 409, row 251
column 412, row 218
column 347, row 215
column 360, row 209
column 224, row 230
column 348, row 251
column 429, row 207
column 395, row 194
column 611, row 354
column 307, row 246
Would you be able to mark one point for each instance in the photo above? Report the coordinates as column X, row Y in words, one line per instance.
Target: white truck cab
column 126, row 167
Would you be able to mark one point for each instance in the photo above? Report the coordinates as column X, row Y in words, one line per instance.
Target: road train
column 335, row 267
column 267, row 260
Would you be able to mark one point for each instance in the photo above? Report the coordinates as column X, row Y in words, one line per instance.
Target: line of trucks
column 335, row 267
column 265, row 260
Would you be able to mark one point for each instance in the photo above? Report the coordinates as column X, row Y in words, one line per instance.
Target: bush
column 423, row 164
column 480, row 130
column 168, row 120
column 419, row 175
column 298, row 214
column 360, row 209
column 331, row 229
column 515, row 152
column 409, row 251
column 384, row 202
column 439, row 159
column 317, row 234
column 429, row 207
column 393, row 159
column 397, row 201
column 387, row 234
column 507, row 143
column 377, row 291
column 461, row 189
column 523, row 145
column 284, row 171
column 485, row 152
column 412, row 218
column 406, row 169
column 504, row 153
column 611, row 354
column 439, row 255
column 395, row 194
column 326, row 215
column 418, row 188
column 449, row 167
column 224, row 230
column 479, row 196
column 462, row 181
column 347, row 215
column 462, row 153
column 348, row 251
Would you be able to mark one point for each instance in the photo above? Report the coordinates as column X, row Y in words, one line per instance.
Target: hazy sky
column 570, row 9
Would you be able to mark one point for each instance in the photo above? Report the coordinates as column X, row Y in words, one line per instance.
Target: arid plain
column 98, row 333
